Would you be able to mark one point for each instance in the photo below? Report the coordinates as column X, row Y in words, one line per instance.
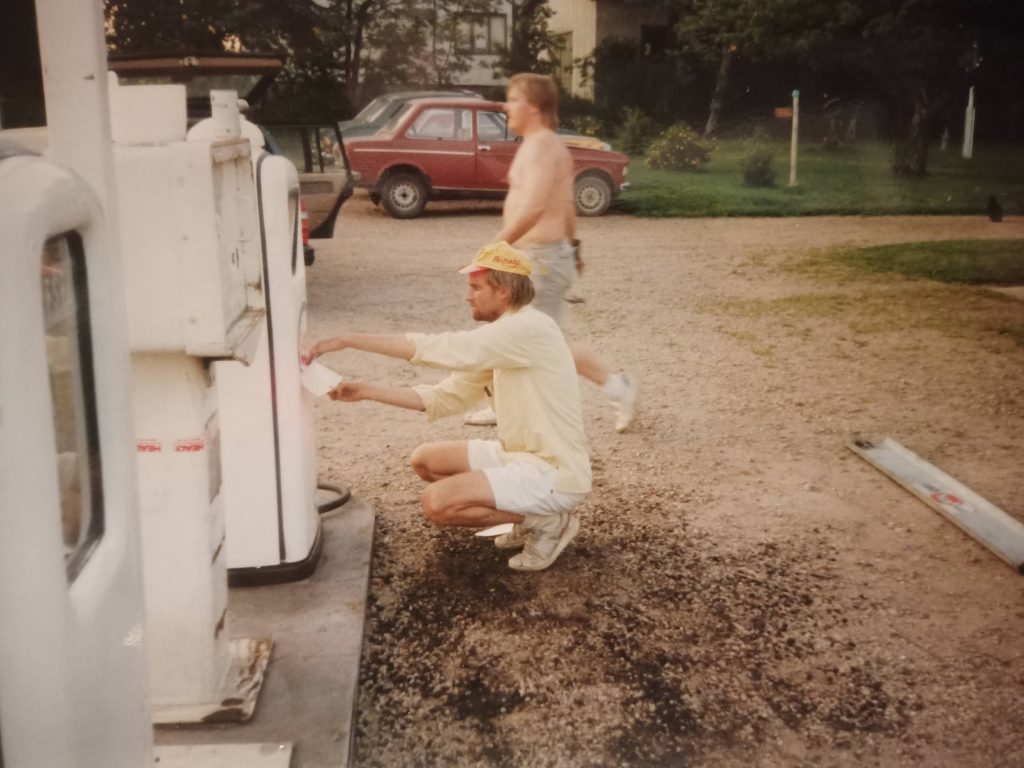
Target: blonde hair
column 519, row 287
column 541, row 92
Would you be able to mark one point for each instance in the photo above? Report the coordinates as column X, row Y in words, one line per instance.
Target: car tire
column 404, row 195
column 592, row 194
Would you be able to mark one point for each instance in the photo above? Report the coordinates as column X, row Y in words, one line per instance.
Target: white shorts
column 519, row 487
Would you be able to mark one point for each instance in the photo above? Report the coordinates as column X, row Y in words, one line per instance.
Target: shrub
column 680, row 148
column 588, row 125
column 637, row 133
column 758, row 160
column 582, row 115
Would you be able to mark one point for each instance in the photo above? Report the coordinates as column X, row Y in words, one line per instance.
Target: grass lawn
column 960, row 262
column 853, row 181
column 975, row 262
column 886, row 288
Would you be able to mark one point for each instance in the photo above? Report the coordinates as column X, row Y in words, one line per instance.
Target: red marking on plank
column 192, row 445
column 148, row 446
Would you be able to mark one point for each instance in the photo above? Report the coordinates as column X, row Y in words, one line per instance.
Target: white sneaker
column 514, row 539
column 625, row 406
column 483, row 418
column 546, row 539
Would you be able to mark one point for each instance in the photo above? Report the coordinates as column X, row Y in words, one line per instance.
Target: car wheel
column 593, row 195
column 404, row 196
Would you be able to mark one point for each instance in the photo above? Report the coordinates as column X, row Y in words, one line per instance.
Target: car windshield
column 372, row 111
column 392, row 125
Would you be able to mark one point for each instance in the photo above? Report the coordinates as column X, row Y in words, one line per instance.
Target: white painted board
column 270, row 755
column 978, row 517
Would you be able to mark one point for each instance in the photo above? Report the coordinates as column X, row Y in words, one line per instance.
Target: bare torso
column 539, row 206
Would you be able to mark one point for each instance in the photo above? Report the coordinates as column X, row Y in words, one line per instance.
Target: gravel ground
column 744, row 590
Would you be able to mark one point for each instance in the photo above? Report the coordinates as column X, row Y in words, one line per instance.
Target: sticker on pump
column 319, row 379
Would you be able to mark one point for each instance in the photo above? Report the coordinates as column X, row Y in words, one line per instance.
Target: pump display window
column 72, row 392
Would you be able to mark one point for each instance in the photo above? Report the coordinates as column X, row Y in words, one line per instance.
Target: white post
column 968, row 151
column 793, row 139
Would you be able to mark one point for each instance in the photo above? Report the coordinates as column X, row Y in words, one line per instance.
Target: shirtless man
column 539, row 217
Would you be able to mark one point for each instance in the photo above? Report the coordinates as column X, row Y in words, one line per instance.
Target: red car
column 443, row 148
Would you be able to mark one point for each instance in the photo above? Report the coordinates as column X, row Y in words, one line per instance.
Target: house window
column 73, row 398
column 484, row 33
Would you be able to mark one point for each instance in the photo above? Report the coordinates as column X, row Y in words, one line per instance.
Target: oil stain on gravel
column 645, row 645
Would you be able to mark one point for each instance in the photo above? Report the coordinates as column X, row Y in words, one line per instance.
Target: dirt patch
column 744, row 590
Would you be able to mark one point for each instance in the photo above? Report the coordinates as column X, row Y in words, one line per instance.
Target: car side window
column 493, row 126
column 445, row 124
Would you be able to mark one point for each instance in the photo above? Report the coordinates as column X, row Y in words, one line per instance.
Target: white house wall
column 579, row 19
column 481, row 72
column 590, row 22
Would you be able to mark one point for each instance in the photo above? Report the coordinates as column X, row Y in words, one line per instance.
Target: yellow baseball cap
column 501, row 257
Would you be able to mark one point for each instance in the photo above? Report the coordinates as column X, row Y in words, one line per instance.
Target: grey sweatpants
column 553, row 266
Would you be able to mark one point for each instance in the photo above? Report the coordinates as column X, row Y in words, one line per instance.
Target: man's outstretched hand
column 311, row 353
column 347, row 392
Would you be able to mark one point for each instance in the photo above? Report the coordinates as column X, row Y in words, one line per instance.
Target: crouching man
column 538, row 470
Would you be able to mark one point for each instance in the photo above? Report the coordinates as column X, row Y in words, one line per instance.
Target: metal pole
column 793, row 138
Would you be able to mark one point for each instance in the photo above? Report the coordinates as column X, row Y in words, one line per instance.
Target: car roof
column 426, row 94
column 455, row 101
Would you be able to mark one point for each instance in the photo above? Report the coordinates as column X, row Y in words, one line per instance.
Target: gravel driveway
column 744, row 590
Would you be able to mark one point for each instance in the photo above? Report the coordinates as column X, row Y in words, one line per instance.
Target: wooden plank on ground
column 978, row 517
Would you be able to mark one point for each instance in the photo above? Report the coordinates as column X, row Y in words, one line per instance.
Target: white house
column 581, row 25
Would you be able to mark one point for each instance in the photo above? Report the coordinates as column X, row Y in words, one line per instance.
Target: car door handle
column 484, row 147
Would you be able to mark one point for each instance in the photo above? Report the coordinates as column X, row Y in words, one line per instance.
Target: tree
column 915, row 56
column 330, row 43
column 530, row 40
column 21, row 80
column 721, row 30
column 197, row 26
column 921, row 55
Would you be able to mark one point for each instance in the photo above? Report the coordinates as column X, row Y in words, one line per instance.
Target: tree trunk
column 354, row 50
column 721, row 83
column 912, row 155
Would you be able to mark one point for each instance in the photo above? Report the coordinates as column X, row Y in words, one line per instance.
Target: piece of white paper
column 494, row 530
column 319, row 379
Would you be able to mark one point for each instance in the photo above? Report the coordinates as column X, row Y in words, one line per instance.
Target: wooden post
column 793, row 139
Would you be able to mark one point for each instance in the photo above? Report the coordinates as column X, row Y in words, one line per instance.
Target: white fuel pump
column 266, row 417
column 191, row 251
column 72, row 658
column 273, row 527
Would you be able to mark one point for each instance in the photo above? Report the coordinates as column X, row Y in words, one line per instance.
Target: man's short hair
column 519, row 287
column 542, row 92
